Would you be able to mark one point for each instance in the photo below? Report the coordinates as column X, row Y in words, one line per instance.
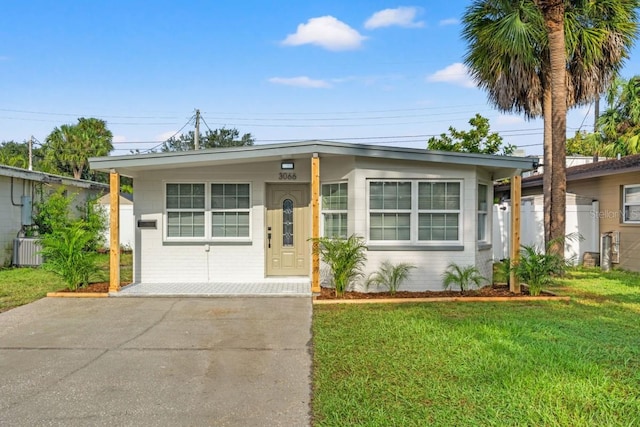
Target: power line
column 172, row 136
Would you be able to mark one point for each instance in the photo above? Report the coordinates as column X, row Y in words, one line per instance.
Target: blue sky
column 357, row 71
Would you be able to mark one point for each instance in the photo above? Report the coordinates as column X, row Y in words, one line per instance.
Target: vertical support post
column 514, row 255
column 315, row 222
column 114, row 231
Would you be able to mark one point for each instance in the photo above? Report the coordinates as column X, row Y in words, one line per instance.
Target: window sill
column 207, row 242
column 482, row 246
column 415, row 247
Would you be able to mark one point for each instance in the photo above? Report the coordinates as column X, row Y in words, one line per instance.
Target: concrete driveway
column 156, row 361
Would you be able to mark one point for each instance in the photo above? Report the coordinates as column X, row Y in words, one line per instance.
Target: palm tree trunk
column 553, row 13
column 547, row 163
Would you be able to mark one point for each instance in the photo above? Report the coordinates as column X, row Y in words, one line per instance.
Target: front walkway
column 280, row 287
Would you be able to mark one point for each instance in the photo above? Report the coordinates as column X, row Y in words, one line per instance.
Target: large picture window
column 334, row 209
column 414, row 211
column 631, row 204
column 218, row 212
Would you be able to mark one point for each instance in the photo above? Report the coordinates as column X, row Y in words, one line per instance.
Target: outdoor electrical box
column 27, row 205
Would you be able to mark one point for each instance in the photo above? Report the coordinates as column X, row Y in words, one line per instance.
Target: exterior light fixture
column 287, row 165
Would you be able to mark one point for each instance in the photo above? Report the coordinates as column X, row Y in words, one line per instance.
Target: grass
column 19, row 286
column 524, row 363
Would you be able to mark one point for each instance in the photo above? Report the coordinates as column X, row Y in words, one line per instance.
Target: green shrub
column 52, row 212
column 345, row 258
column 537, row 268
column 390, row 276
column 66, row 253
column 463, row 277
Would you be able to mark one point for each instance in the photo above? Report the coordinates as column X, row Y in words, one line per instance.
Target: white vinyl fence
column 582, row 226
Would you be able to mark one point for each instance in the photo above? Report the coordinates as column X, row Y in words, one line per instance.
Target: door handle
column 269, row 239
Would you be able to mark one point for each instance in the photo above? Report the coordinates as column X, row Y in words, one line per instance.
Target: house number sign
column 287, row 176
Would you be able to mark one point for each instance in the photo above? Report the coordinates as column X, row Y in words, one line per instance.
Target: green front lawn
column 19, row 286
column 521, row 363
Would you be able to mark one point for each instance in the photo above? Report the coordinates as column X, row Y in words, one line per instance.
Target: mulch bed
column 101, row 287
column 486, row 291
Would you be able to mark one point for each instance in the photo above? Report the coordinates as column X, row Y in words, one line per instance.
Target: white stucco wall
column 159, row 261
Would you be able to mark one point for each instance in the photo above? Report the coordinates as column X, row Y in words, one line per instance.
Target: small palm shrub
column 66, row 253
column 463, row 277
column 537, row 268
column 390, row 276
column 345, row 258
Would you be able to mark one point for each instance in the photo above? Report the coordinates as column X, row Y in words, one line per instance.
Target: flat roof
column 131, row 165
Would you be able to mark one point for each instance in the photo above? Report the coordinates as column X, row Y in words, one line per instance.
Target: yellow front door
column 288, row 230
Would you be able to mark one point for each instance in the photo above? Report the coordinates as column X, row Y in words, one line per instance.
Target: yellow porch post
column 514, row 252
column 114, row 231
column 315, row 222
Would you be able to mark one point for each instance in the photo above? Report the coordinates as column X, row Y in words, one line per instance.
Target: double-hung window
column 439, row 211
column 483, row 206
column 631, row 204
column 390, row 210
column 202, row 211
column 334, row 209
column 414, row 211
column 185, row 205
column 230, row 209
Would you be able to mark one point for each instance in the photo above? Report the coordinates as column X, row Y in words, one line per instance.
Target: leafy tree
column 17, row 154
column 519, row 50
column 618, row 128
column 620, row 123
column 477, row 140
column 585, row 144
column 68, row 147
column 217, row 138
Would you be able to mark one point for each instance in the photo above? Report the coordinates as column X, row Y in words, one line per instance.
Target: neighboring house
column 127, row 222
column 246, row 214
column 613, row 187
column 19, row 189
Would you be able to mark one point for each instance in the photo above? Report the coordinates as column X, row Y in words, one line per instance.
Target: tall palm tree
column 509, row 56
column 69, row 146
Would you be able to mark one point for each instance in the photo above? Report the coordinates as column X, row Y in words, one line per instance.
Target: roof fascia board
column 308, row 148
column 49, row 178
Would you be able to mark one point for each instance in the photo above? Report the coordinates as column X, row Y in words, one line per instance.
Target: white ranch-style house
column 247, row 214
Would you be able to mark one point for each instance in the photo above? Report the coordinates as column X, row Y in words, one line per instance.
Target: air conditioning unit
column 26, row 252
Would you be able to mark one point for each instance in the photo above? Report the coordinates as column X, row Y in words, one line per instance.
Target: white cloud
column 301, row 81
column 327, row 32
column 449, row 21
column 456, row 73
column 508, row 119
column 119, row 138
column 401, row 16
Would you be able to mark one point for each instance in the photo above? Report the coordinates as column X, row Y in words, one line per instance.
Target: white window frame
column 208, row 213
column 168, row 210
column 486, row 212
column 235, row 210
column 334, row 211
column 626, row 204
column 414, row 214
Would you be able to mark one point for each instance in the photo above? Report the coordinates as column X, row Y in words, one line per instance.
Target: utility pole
column 596, row 113
column 196, row 136
column 31, row 153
